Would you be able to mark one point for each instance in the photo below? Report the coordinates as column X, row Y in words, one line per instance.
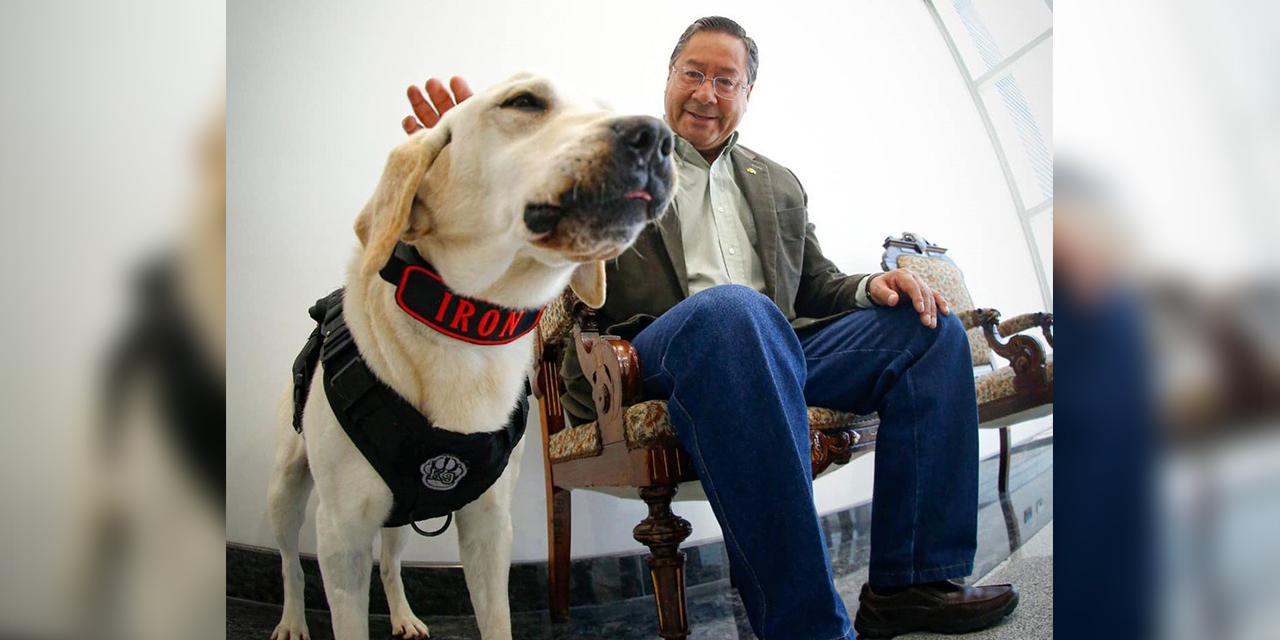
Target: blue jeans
column 738, row 378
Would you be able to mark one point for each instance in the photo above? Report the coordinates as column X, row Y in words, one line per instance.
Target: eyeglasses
column 692, row 79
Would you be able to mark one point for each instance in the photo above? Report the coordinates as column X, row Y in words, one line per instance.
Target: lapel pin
column 751, row 169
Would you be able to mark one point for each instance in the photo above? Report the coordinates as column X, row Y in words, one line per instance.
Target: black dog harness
column 432, row 472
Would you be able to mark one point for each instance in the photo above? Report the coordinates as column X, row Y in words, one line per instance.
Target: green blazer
column 651, row 277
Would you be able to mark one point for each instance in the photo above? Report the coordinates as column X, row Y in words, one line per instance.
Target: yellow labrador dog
column 516, row 193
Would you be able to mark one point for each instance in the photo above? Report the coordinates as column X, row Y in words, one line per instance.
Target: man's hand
column 427, row 114
column 887, row 288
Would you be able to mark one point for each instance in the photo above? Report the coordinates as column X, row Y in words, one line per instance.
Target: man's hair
column 721, row 24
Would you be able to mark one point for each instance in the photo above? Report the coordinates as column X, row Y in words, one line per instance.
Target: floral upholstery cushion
column 995, row 385
column 821, row 419
column 648, row 424
column 941, row 275
column 557, row 322
column 582, row 441
column 979, row 351
column 946, row 278
column 999, row 383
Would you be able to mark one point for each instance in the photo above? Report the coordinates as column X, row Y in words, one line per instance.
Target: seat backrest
column 930, row 262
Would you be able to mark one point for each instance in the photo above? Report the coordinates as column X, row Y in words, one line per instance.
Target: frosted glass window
column 988, row 31
column 1020, row 105
column 1004, row 49
column 1042, row 229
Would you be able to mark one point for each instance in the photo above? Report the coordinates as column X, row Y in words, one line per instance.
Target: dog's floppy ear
column 588, row 283
column 385, row 218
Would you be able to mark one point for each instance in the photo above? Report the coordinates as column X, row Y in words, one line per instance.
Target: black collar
column 422, row 294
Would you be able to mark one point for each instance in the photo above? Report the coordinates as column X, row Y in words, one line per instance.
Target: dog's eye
column 525, row 102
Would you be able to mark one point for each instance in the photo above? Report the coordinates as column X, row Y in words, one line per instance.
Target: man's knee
column 738, row 319
column 950, row 332
column 950, row 326
column 731, row 306
column 949, row 337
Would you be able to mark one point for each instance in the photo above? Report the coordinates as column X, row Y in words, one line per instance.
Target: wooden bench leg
column 662, row 532
column 1013, row 531
column 1006, row 444
column 558, row 537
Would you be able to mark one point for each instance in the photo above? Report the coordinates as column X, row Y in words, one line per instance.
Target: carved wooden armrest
column 968, row 318
column 830, row 447
column 612, row 366
column 1046, row 327
column 1020, row 323
column 837, row 446
column 1024, row 353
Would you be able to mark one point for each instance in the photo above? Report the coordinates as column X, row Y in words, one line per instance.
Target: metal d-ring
column 431, row 534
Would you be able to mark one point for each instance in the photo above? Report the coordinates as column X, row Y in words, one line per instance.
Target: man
column 735, row 268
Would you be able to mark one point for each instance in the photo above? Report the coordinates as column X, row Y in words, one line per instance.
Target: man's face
column 699, row 115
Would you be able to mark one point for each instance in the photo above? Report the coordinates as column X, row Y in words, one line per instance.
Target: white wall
column 862, row 101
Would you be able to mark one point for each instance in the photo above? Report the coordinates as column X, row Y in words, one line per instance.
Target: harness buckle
column 352, row 381
column 336, row 342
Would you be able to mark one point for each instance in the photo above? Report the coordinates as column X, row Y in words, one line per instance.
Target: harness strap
column 304, row 366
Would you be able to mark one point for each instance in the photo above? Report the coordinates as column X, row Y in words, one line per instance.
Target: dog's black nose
column 648, row 138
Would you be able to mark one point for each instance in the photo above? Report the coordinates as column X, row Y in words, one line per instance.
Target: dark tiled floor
column 611, row 594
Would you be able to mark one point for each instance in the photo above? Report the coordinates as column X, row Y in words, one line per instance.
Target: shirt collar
column 686, row 152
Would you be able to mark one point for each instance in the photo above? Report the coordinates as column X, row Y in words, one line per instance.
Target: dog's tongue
column 640, row 195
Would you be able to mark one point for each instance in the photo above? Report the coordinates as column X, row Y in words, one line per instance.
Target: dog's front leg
column 345, row 545
column 291, row 484
column 403, row 623
column 484, row 540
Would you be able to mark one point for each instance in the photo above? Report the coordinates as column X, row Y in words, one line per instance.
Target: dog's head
column 518, row 179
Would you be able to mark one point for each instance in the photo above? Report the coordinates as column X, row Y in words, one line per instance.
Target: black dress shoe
column 941, row 607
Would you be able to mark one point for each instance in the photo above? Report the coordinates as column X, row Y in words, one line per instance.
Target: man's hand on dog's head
column 426, row 113
column 884, row 290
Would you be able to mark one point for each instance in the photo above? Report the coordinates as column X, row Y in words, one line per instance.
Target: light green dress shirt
column 716, row 226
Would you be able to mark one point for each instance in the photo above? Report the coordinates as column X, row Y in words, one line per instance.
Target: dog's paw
column 409, row 627
column 291, row 630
